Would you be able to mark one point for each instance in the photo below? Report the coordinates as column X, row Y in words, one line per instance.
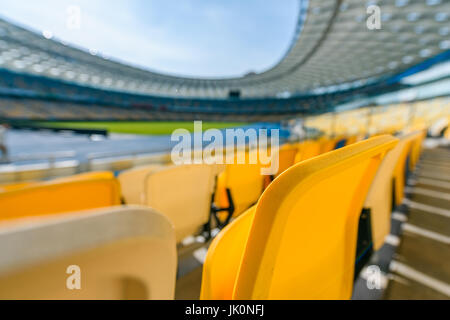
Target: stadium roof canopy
column 332, row 49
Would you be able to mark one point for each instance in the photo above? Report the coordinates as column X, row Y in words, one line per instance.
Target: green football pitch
column 149, row 128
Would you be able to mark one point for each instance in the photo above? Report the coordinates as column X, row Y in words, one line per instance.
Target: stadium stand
column 133, row 257
column 42, row 105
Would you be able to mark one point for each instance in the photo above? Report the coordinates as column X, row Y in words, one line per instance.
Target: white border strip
column 430, row 182
column 426, row 233
column 392, row 240
column 399, row 216
column 433, row 175
column 419, row 277
column 427, row 208
column 428, row 193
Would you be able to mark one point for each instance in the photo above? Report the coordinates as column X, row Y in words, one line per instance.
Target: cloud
column 190, row 37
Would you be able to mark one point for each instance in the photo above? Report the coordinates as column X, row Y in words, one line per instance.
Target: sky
column 202, row 38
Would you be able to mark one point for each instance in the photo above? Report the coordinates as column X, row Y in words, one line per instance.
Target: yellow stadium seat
column 221, row 267
column 182, row 193
column 14, row 186
column 299, row 242
column 238, row 188
column 287, row 155
column 87, row 176
column 118, row 253
column 59, row 196
column 416, row 149
column 351, row 140
column 401, row 167
column 327, row 145
column 308, row 150
column 132, row 183
column 379, row 198
column 83, row 176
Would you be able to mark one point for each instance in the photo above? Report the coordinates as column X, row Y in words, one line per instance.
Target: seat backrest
column 121, row 252
column 287, row 154
column 327, row 145
column 132, row 183
column 60, row 196
column 15, row 186
column 86, row 176
column 379, row 198
column 400, row 169
column 301, row 241
column 183, row 193
column 351, row 140
column 83, row 176
column 245, row 183
column 224, row 257
column 416, row 149
column 308, row 150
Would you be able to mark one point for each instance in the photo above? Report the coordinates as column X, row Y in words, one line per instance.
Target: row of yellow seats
column 183, row 193
column 156, row 186
column 295, row 245
column 303, row 183
column 294, row 200
column 291, row 154
column 152, row 185
column 240, row 186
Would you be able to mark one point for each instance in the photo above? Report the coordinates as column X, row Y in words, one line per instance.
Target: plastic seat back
column 416, row 149
column 183, row 194
column 87, row 176
column 308, row 150
column 245, row 183
column 15, row 186
column 327, row 145
column 121, row 253
column 379, row 198
column 132, row 183
column 287, row 154
column 301, row 237
column 60, row 196
column 83, row 176
column 224, row 258
column 400, row 169
column 351, row 140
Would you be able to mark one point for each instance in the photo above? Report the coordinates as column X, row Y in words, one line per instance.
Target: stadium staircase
column 418, row 270
column 412, row 260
